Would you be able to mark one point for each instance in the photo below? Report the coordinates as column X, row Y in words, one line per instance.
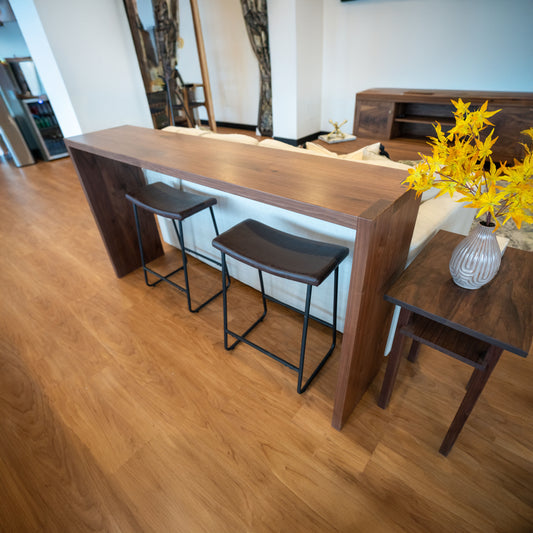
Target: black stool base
column 184, row 250
column 306, row 314
column 177, row 286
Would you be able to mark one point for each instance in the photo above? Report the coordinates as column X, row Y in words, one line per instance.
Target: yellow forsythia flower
column 461, row 162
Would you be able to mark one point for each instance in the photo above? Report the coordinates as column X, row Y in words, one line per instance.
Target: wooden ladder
column 155, row 99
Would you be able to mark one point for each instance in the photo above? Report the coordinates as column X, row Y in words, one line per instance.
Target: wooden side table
column 474, row 326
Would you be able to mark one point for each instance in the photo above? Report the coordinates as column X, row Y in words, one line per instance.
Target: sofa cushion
column 231, row 137
column 371, row 154
column 272, row 143
column 318, row 149
column 367, row 153
column 185, row 131
column 429, row 194
column 383, row 161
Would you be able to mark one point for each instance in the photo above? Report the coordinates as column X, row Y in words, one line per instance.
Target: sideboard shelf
column 409, row 114
column 423, row 120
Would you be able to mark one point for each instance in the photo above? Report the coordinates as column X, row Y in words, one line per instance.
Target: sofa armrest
column 439, row 213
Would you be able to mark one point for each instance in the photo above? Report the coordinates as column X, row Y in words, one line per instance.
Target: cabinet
column 45, row 127
column 409, row 114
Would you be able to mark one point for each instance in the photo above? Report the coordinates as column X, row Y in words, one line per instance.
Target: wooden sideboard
column 395, row 116
column 110, row 162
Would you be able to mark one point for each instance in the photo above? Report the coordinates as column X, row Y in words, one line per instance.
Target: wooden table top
column 500, row 313
column 338, row 191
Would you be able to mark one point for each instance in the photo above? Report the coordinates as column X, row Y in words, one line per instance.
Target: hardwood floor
column 122, row 412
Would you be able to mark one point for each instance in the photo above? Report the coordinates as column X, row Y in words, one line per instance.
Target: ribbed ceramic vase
column 476, row 259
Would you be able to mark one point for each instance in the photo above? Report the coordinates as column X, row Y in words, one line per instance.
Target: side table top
column 500, row 313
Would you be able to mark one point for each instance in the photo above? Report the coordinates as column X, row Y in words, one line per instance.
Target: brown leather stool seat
column 288, row 256
column 163, row 200
column 166, row 201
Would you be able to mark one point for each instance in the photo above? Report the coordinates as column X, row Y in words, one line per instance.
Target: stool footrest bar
column 167, row 202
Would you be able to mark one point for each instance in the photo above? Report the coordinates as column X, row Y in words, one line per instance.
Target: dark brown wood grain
column 380, row 253
column 338, row 191
column 449, row 341
column 475, row 386
column 473, row 326
column 341, row 192
column 443, row 96
column 374, row 119
column 394, row 359
column 396, row 115
column 106, row 183
column 498, row 313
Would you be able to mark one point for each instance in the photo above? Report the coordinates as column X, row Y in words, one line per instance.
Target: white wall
column 295, row 35
column 85, row 56
column 437, row 44
column 323, row 52
column 40, row 50
column 309, row 38
column 12, row 43
column 284, row 67
column 232, row 66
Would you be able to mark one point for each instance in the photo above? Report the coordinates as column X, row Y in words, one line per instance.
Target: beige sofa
column 434, row 214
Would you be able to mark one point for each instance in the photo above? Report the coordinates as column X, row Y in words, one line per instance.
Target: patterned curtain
column 256, row 19
column 166, row 35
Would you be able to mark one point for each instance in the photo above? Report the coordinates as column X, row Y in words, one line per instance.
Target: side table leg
column 475, row 386
column 413, row 352
column 394, row 360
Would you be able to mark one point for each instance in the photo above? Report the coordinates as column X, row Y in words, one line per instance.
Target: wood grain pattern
column 443, row 96
column 449, row 341
column 341, row 192
column 435, row 317
column 122, row 412
column 106, row 193
column 374, row 119
column 499, row 313
column 379, row 257
column 395, row 115
column 474, row 388
column 334, row 190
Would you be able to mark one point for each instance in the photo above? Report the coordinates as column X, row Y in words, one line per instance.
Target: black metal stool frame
column 186, row 289
column 306, row 314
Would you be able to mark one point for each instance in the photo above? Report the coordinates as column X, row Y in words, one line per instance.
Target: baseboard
column 251, row 127
column 247, row 127
column 301, row 140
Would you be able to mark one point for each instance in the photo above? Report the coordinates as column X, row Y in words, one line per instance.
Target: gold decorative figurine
column 336, row 133
column 336, row 136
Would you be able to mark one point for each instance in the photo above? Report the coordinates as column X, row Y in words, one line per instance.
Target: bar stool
column 176, row 205
column 287, row 256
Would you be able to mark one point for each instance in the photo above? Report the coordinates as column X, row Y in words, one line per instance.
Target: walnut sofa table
column 474, row 326
column 109, row 163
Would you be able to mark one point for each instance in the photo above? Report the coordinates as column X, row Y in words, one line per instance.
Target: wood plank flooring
column 122, row 412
